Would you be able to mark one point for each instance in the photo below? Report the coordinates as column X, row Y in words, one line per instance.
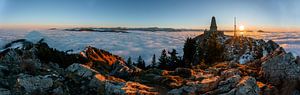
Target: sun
column 242, row 28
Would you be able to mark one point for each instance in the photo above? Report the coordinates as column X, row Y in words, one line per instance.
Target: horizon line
column 223, row 28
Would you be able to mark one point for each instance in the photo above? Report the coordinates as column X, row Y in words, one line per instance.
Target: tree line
column 206, row 53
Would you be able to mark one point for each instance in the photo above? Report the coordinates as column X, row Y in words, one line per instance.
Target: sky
column 277, row 15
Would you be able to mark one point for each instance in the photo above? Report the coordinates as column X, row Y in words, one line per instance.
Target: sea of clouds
column 135, row 43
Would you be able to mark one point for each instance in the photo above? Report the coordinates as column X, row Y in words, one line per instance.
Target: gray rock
column 58, row 91
column 230, row 72
column 81, row 70
column 231, row 92
column 209, row 84
column 123, row 71
column 186, row 90
column 114, row 88
column 97, row 81
column 247, row 86
column 128, row 88
column 228, row 84
column 31, row 83
column 271, row 46
column 281, row 67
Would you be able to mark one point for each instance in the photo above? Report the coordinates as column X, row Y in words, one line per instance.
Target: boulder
column 81, row 70
column 128, row 88
column 281, row 67
column 121, row 70
column 230, row 72
column 32, row 83
column 271, row 46
column 139, row 89
column 97, row 81
column 114, row 88
column 209, row 84
column 185, row 90
column 247, row 86
column 228, row 84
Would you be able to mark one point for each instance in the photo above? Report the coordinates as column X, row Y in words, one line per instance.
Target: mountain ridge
column 98, row 71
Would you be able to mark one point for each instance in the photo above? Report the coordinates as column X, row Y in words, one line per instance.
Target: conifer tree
column 154, row 64
column 189, row 51
column 129, row 62
column 174, row 61
column 163, row 60
column 211, row 50
column 141, row 63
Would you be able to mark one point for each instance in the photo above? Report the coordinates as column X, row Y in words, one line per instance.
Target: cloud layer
column 135, row 43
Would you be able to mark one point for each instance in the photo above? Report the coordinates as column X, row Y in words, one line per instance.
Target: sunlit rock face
column 101, row 56
column 20, row 65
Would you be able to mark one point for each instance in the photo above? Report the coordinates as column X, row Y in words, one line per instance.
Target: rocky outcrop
column 32, row 83
column 23, row 71
column 81, row 70
column 247, row 86
column 100, row 56
column 107, row 63
column 281, row 67
column 123, row 71
column 239, row 49
column 129, row 88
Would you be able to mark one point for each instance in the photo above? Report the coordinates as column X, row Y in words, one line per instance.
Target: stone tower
column 213, row 26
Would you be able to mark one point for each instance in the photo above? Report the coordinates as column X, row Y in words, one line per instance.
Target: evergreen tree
column 141, row 63
column 163, row 60
column 189, row 51
column 174, row 61
column 129, row 62
column 211, row 51
column 153, row 65
column 215, row 50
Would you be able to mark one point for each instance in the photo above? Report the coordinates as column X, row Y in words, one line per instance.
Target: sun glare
column 242, row 28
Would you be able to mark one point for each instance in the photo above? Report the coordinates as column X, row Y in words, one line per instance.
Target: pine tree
column 129, row 62
column 174, row 61
column 212, row 50
column 141, row 63
column 163, row 60
column 215, row 50
column 153, row 65
column 189, row 51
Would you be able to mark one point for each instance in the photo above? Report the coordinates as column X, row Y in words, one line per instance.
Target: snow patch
column 18, row 45
column 265, row 52
column 247, row 57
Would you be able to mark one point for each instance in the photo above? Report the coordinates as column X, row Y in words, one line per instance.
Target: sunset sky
column 277, row 15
